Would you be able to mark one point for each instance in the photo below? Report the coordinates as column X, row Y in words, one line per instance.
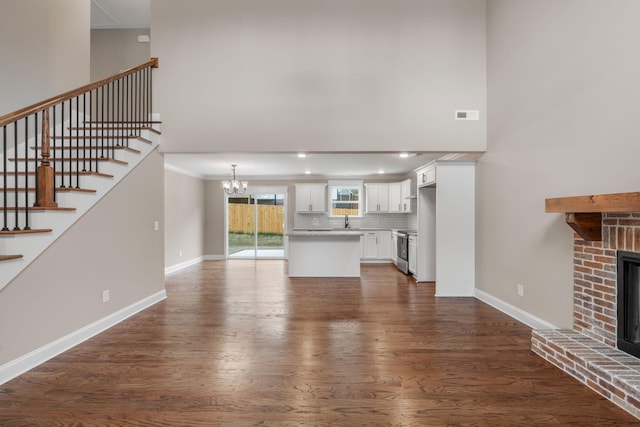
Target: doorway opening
column 255, row 226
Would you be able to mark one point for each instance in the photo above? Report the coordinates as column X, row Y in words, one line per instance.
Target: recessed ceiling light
column 404, row 155
column 381, row 171
column 307, row 172
column 302, row 155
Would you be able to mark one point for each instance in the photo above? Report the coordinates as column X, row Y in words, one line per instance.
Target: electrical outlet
column 156, row 225
column 179, row 253
column 105, row 296
column 520, row 290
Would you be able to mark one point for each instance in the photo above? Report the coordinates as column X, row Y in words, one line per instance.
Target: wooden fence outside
column 344, row 211
column 270, row 219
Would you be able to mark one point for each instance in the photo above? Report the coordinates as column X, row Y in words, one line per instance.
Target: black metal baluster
column 102, row 122
column 137, row 92
column 116, row 140
column 77, row 146
column 53, row 138
column 84, row 132
column 147, row 98
column 113, row 121
column 91, row 135
column 123, row 141
column 26, row 174
column 62, row 151
column 141, row 96
column 15, row 175
column 130, row 102
column 53, row 148
column 5, row 176
column 125, row 125
column 151, row 96
column 35, row 167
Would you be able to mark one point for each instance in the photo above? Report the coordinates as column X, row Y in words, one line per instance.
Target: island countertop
column 325, row 233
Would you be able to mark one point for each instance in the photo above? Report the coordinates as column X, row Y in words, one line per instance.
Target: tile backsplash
column 402, row 221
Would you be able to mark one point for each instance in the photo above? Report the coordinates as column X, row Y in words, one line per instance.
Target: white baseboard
column 214, row 257
column 375, row 261
column 513, row 311
column 198, row 260
column 19, row 366
column 177, row 267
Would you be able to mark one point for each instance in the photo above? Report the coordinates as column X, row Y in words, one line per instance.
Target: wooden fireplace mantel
column 584, row 213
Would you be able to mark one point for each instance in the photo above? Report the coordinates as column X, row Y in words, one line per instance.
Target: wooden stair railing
column 48, row 146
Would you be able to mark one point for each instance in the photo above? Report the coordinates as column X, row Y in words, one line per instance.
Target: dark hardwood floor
column 239, row 343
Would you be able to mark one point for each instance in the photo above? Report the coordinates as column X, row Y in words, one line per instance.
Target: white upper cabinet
column 389, row 197
column 377, row 197
column 406, row 195
column 396, row 201
column 311, row 198
column 426, row 175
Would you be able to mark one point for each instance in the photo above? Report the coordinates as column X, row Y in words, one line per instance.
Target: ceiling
column 120, row 14
column 318, row 165
column 113, row 14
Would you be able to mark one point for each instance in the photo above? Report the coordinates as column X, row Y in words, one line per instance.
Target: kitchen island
column 326, row 253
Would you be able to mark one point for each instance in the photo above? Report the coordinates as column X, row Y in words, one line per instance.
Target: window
column 345, row 198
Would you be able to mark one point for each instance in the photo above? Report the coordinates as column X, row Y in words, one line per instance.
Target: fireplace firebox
column 628, row 277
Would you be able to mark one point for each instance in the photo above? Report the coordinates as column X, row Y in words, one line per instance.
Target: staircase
column 60, row 156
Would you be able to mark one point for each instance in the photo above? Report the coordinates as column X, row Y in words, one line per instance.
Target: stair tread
column 91, row 147
column 38, row 208
column 94, row 128
column 123, row 122
column 8, row 257
column 34, row 231
column 73, row 159
column 94, row 136
column 100, row 174
column 80, row 190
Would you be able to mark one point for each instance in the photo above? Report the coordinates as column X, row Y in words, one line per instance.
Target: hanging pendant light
column 234, row 187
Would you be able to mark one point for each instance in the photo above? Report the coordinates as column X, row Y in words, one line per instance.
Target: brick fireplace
column 589, row 352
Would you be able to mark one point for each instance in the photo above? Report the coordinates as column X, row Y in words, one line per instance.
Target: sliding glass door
column 256, row 226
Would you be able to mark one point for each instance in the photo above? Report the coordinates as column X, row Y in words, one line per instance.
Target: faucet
column 346, row 221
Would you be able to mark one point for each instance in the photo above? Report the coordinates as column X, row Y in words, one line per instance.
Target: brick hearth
column 589, row 352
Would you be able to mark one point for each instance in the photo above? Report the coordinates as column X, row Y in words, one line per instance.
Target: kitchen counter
column 324, row 253
column 327, row 232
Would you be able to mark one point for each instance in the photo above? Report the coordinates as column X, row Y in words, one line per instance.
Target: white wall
column 321, row 75
column 113, row 246
column 44, row 50
column 184, row 207
column 116, row 50
column 563, row 99
column 455, row 229
column 215, row 219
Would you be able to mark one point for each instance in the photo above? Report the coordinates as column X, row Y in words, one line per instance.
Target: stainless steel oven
column 403, row 251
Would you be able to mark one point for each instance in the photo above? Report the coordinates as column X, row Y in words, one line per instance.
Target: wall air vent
column 467, row 115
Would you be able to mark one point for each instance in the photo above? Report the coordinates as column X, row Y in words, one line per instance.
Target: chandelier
column 235, row 186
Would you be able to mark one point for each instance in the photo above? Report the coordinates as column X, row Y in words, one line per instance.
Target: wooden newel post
column 46, row 182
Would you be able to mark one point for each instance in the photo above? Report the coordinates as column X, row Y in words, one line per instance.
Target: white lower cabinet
column 413, row 247
column 370, row 245
column 376, row 245
column 394, row 247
